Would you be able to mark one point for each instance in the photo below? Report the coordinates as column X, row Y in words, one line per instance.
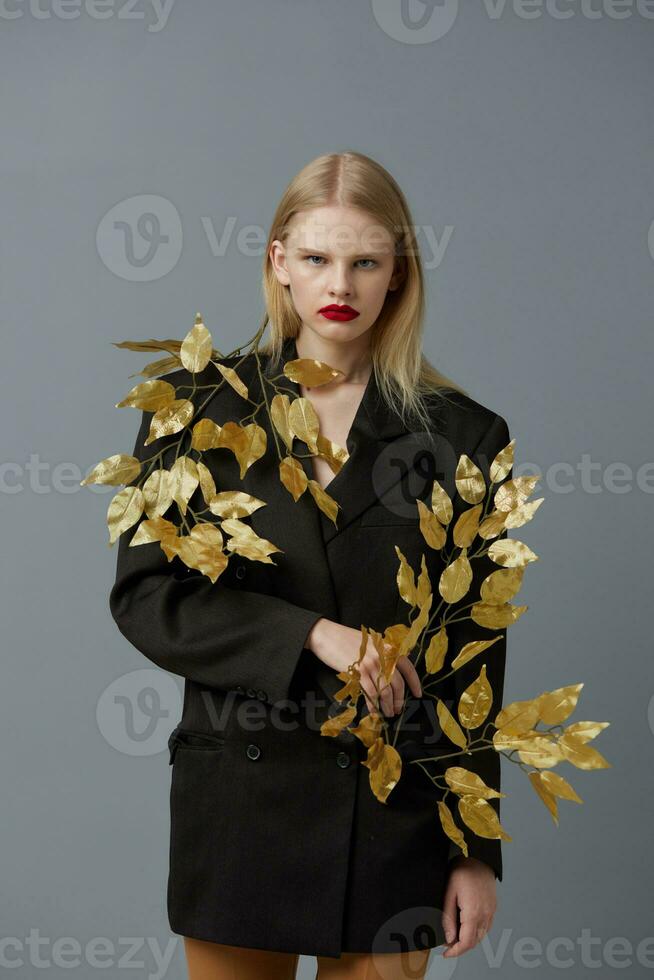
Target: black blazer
column 277, row 841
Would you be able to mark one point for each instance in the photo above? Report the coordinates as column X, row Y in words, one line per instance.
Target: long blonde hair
column 404, row 376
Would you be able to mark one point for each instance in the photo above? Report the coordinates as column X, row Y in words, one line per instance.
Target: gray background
column 524, row 144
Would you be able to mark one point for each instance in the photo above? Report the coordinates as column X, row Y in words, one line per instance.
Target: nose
column 340, row 285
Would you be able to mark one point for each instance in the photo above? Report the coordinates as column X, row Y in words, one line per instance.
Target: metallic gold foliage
column 485, row 512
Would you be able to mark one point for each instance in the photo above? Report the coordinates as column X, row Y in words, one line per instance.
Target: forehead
column 338, row 231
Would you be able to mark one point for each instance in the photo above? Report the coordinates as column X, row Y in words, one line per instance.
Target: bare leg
column 374, row 966
column 215, row 961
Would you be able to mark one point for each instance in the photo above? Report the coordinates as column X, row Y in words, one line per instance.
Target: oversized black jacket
column 276, row 839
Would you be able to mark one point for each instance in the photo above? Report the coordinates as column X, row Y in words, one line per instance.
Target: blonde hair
column 404, row 376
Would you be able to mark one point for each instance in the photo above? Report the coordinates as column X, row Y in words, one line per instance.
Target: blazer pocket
column 184, row 738
column 386, row 515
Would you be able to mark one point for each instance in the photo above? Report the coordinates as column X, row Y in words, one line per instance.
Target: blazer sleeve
column 485, row 763
column 216, row 635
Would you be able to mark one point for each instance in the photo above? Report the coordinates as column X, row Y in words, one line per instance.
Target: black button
column 251, row 693
column 262, row 695
column 343, row 760
column 239, row 689
column 253, row 751
column 240, row 571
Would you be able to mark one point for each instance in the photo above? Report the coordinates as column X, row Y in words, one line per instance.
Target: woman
column 278, row 846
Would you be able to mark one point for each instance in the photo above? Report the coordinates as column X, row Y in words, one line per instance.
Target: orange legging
column 215, row 961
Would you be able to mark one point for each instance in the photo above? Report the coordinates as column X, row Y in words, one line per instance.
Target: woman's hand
column 338, row 646
column 471, row 887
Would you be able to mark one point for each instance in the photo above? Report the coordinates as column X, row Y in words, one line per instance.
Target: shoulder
column 466, row 423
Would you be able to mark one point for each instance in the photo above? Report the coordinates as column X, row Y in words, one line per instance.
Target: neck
column 352, row 357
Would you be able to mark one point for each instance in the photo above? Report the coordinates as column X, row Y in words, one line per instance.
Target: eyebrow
column 319, row 251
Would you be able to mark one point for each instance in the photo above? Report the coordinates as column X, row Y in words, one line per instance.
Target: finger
column 411, row 676
column 397, row 691
column 467, row 939
column 448, row 917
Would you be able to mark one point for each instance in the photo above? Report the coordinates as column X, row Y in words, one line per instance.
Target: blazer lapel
column 359, row 483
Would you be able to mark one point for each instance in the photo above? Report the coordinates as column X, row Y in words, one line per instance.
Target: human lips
column 335, row 312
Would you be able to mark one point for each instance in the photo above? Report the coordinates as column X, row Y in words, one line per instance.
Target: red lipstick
column 334, row 312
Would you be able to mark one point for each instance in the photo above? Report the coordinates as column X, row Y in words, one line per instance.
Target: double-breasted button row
column 252, row 692
column 253, row 752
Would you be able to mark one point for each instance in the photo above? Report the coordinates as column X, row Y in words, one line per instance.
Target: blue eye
column 309, row 257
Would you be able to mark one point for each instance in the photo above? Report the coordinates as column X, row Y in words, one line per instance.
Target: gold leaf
column 293, row 477
column 430, row 527
column 559, row 786
column 406, row 583
column 234, row 503
column 492, row 525
column 157, row 529
column 466, row 526
column 248, row 443
column 514, row 492
column 116, row 469
column 149, row 396
column 207, row 482
column 450, row 725
column 536, row 780
column 185, row 479
column 481, row 818
column 581, row 755
column 170, row 419
column 494, row 617
column 280, row 407
column 556, row 706
column 502, row 585
column 476, row 701
column 335, row 725
column 450, row 828
column 455, row 579
column 510, row 553
column 441, row 503
column 202, row 549
column 520, row 515
column 469, row 480
column 518, row 717
column 505, row 742
column 470, row 650
column 585, row 730
column 501, row 465
column 311, row 373
column 334, row 455
column 327, row 504
column 163, row 365
column 540, row 752
column 173, row 346
column 384, row 763
column 245, row 541
column 232, row 378
column 435, row 654
column 465, row 783
column 158, row 492
column 205, row 435
column 304, row 422
column 423, row 589
column 195, row 352
column 368, row 729
column 124, row 510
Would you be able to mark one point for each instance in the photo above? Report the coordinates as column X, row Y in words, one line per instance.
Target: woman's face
column 336, row 256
